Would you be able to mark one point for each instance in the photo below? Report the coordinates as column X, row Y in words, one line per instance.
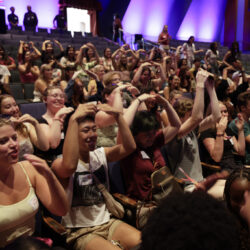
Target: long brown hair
column 20, row 127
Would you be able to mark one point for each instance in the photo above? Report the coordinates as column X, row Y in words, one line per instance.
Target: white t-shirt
column 87, row 205
column 3, row 72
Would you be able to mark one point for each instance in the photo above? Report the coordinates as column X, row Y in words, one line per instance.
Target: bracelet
column 220, row 134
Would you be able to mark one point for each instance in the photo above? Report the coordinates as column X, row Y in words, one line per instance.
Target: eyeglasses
column 57, row 96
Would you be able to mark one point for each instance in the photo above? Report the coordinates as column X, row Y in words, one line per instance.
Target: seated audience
column 88, row 221
column 185, row 144
column 22, row 184
column 28, row 129
column 244, row 108
column 6, row 60
column 27, row 70
column 219, row 142
column 44, row 81
column 237, row 199
column 53, row 122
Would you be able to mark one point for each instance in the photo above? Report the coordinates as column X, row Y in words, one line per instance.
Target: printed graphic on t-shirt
column 85, row 191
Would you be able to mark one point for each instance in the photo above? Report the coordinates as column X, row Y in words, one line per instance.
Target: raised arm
column 171, row 130
column 37, row 52
column 215, row 147
column 47, row 187
column 240, row 144
column 138, row 73
column 127, row 145
column 71, row 143
column 215, row 110
column 198, row 107
column 104, row 119
column 36, row 133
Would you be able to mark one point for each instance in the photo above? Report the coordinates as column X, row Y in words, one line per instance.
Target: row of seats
column 22, row 92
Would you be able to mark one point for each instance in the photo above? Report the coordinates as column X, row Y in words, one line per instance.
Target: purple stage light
column 204, row 20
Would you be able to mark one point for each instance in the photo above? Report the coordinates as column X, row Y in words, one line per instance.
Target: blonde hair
column 42, row 70
column 182, row 106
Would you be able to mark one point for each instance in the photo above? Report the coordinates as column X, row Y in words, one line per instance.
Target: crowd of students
column 143, row 109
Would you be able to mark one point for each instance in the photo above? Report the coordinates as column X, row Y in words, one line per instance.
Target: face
column 49, row 47
column 176, row 82
column 115, row 79
column 237, row 190
column 48, row 73
column 145, row 76
column 29, row 8
column 101, row 72
column 26, row 47
column 87, row 136
column 90, row 52
column 8, row 144
column 145, row 139
column 165, row 28
column 71, row 52
column 108, row 52
column 55, row 99
column 223, row 110
column 123, row 59
column 12, row 9
column 175, row 98
column 246, row 109
column 151, row 103
column 27, row 56
column 9, row 107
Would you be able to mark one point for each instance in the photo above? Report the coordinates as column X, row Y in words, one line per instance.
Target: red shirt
column 138, row 167
column 164, row 36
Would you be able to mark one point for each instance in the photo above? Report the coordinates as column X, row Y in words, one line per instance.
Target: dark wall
column 105, row 17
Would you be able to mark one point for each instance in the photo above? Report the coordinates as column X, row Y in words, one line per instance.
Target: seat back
column 28, row 90
column 36, row 109
column 117, row 184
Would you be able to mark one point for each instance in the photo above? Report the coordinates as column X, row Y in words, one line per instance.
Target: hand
column 160, row 100
column 222, row 125
column 91, row 45
column 146, row 64
column 28, row 118
column 210, row 181
column 201, row 77
column 84, row 47
column 60, row 115
column 39, row 164
column 145, row 96
column 209, row 83
column 239, row 122
column 46, row 41
column 108, row 109
column 57, row 42
column 121, row 87
column 133, row 90
column 31, row 44
column 84, row 110
column 21, row 42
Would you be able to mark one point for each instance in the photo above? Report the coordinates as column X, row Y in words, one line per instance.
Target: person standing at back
column 30, row 20
column 60, row 22
column 13, row 19
column 117, row 29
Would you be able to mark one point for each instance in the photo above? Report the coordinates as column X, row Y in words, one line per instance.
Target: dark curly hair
column 190, row 221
